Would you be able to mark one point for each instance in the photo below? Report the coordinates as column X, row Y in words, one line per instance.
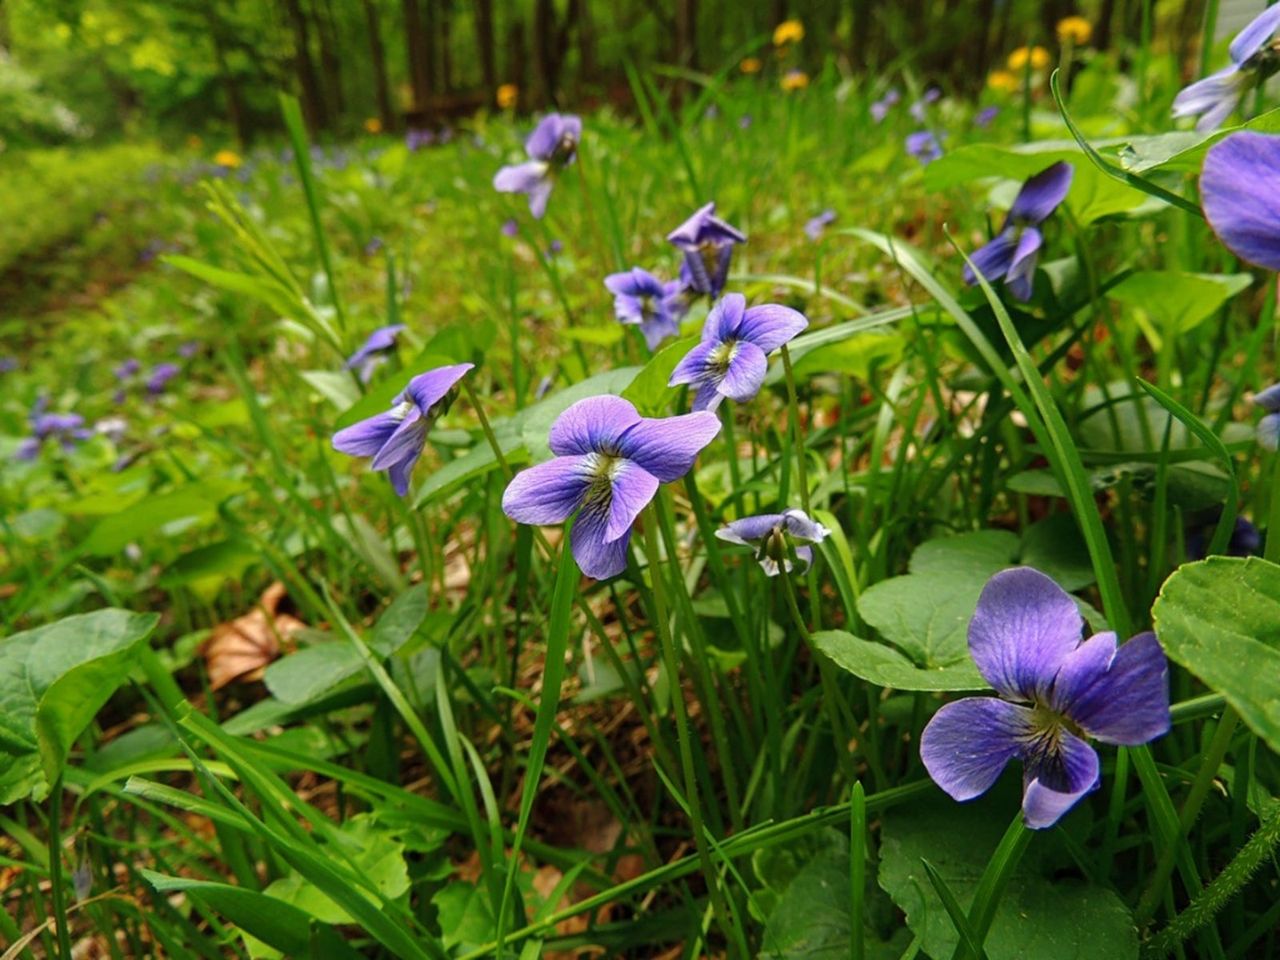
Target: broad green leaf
column 535, row 421
column 1175, row 301
column 1039, row 916
column 196, row 502
column 472, row 464
column 884, row 666
column 465, row 915
column 53, row 680
column 1183, row 151
column 974, row 555
column 853, row 357
column 224, row 559
column 1054, row 546
column 1220, row 618
column 649, row 390
column 336, row 386
column 598, row 336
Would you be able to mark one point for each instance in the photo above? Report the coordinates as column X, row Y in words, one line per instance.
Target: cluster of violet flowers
column 1053, row 687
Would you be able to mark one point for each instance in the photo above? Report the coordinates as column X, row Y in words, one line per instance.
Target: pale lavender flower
column 188, row 349
column 127, row 369
column 817, row 226
column 641, row 298
column 510, row 228
column 609, row 463
column 1054, row 688
column 1269, row 425
column 1013, row 253
column 782, row 541
column 551, row 147
column 983, row 118
column 1254, row 57
column 924, row 146
column 733, row 357
column 66, row 428
column 919, row 110
column 880, row 109
column 8, row 364
column 416, row 140
column 375, row 350
column 395, row 439
column 707, row 242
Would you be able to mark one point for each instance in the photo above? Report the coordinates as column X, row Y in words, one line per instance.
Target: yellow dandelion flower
column 788, row 31
column 794, row 80
column 1077, row 30
column 372, row 125
column 750, row 65
column 1004, row 81
column 506, row 96
column 227, row 158
column 1038, row 56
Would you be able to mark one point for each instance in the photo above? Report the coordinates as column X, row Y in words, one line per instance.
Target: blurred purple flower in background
column 374, row 245
column 1245, row 539
column 8, row 364
column 778, row 539
column 510, row 228
column 416, row 140
column 551, row 147
column 395, row 439
column 924, row 146
column 66, row 428
column 375, row 350
column 1054, row 688
column 1253, row 59
column 161, row 374
column 127, row 369
column 982, row 119
column 641, row 298
column 733, row 357
column 1239, row 187
column 1013, row 253
column 1268, row 430
column 880, row 108
column 609, row 463
column 188, row 349
column 744, row 121
column 919, row 110
column 707, row 242
column 817, row 226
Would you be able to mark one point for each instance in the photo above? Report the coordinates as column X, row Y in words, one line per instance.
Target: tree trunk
column 378, row 58
column 1102, row 35
column 312, row 104
column 430, row 24
column 446, row 52
column 544, row 31
column 687, row 33
column 517, row 66
column 330, row 62
column 485, row 45
column 419, row 68
column 588, row 67
column 235, row 104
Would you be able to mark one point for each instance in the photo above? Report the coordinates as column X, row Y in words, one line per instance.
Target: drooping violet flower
column 919, row 110
column 924, row 146
column 375, row 350
column 551, row 147
column 1268, row 430
column 608, row 465
column 982, row 119
column 1245, row 539
column 733, row 357
column 707, row 242
column 127, row 369
column 781, row 540
column 817, row 226
column 1238, row 187
column 395, row 439
column 510, row 228
column 161, row 374
column 1013, row 253
column 374, row 245
column 641, row 298
column 8, row 364
column 1054, row 689
column 880, row 108
column 1254, row 57
column 188, row 349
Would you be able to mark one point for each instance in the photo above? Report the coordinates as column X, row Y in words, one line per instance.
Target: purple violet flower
column 608, row 465
column 160, row 376
column 982, row 119
column 375, row 350
column 924, row 146
column 817, row 226
column 1054, row 688
column 67, row 428
column 395, row 439
column 1269, row 425
column 880, row 109
column 733, row 357
column 1237, row 186
column 744, row 121
column 8, row 364
column 920, row 108
column 415, row 140
column 781, row 540
column 127, row 369
column 707, row 242
column 1013, row 253
column 188, row 349
column 1245, row 539
column 510, row 228
column 374, row 245
column 551, row 147
column 1254, row 57
column 641, row 298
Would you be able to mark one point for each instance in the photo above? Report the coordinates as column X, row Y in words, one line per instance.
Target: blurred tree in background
column 102, row 68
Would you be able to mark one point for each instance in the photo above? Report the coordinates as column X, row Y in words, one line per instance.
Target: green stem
column 994, row 879
column 1200, row 787
column 486, row 428
column 793, row 409
column 671, row 663
column 55, row 869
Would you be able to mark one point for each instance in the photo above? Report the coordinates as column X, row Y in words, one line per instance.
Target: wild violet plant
column 935, row 450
